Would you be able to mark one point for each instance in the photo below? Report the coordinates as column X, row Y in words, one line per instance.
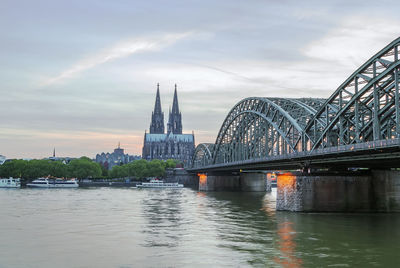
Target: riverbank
column 108, row 184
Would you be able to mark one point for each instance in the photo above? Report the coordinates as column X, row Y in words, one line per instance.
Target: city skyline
column 81, row 77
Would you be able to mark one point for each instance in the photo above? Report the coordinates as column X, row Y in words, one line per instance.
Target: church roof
column 170, row 136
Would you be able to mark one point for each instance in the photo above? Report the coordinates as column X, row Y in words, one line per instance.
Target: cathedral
column 173, row 144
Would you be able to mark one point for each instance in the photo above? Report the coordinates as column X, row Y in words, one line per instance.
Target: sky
column 81, row 76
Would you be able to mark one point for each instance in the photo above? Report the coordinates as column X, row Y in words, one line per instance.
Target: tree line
column 141, row 169
column 83, row 168
column 32, row 169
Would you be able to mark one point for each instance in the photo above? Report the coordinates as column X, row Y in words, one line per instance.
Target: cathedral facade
column 172, row 144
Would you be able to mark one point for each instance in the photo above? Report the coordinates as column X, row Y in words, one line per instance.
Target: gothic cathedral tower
column 157, row 117
column 170, row 145
column 175, row 117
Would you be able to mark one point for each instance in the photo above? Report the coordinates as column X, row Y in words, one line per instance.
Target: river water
column 111, row 227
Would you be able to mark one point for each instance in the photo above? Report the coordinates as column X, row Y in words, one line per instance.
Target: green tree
column 119, row 172
column 37, row 168
column 58, row 169
column 156, row 168
column 104, row 171
column 14, row 168
column 171, row 163
column 79, row 168
column 84, row 168
column 139, row 169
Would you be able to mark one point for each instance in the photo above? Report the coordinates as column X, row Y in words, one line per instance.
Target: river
column 116, row 227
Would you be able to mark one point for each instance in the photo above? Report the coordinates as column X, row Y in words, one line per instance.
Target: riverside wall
column 108, row 184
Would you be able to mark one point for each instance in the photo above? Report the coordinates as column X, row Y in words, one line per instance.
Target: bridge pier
column 386, row 189
column 254, row 181
column 245, row 181
column 376, row 191
column 208, row 182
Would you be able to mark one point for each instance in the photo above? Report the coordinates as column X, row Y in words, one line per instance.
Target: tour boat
column 10, row 183
column 159, row 184
column 53, row 183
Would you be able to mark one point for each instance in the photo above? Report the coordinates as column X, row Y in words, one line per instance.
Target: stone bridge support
column 255, row 181
column 376, row 191
column 220, row 182
column 247, row 181
column 180, row 175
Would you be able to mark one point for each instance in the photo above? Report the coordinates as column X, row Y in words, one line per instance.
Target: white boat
column 53, row 183
column 10, row 183
column 159, row 184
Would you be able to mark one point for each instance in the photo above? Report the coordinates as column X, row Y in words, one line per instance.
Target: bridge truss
column 365, row 108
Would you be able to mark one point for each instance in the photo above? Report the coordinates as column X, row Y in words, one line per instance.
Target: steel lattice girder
column 259, row 127
column 203, row 155
column 364, row 108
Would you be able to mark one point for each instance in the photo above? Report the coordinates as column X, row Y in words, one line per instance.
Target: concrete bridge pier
column 218, row 182
column 255, row 181
column 375, row 191
column 247, row 181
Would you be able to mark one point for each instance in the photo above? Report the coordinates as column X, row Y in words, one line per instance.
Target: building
column 64, row 160
column 117, row 158
column 173, row 144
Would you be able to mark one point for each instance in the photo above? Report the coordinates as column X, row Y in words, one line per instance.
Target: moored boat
column 10, row 183
column 53, row 183
column 159, row 184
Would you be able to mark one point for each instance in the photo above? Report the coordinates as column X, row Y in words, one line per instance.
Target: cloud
column 354, row 40
column 324, row 63
column 223, row 65
column 120, row 50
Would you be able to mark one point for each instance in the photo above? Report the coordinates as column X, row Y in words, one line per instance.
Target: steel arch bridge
column 364, row 111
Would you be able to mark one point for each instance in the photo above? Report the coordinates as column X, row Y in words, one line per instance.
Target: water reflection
column 246, row 225
column 201, row 194
column 163, row 212
column 287, row 246
column 269, row 203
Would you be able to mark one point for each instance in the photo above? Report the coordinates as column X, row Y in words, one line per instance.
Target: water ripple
column 110, row 227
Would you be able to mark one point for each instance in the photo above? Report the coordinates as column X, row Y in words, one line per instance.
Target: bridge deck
column 381, row 153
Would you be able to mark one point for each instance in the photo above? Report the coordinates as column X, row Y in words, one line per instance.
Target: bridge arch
column 365, row 107
column 203, row 155
column 260, row 127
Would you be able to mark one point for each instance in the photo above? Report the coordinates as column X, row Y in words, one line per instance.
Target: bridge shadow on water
column 249, row 224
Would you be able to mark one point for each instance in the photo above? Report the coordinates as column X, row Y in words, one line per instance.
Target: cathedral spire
column 157, row 117
column 157, row 105
column 175, row 117
column 175, row 106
